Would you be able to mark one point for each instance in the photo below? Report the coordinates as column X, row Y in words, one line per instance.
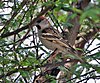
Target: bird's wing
column 55, row 36
column 54, row 39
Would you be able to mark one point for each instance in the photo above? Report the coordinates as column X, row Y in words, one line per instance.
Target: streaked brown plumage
column 52, row 39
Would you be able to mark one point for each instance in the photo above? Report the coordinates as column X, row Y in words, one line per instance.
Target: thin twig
column 32, row 23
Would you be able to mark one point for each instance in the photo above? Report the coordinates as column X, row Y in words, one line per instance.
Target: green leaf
column 98, row 38
column 77, row 10
column 98, row 0
column 97, row 69
column 2, row 4
column 96, row 55
column 72, row 16
column 79, row 49
column 54, row 81
column 70, row 55
column 25, row 63
column 91, row 13
column 24, row 73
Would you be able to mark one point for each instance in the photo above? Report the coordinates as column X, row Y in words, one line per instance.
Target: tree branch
column 14, row 14
column 32, row 23
column 86, row 37
column 73, row 32
column 47, row 66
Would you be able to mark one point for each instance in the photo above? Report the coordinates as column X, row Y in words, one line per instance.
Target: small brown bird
column 52, row 38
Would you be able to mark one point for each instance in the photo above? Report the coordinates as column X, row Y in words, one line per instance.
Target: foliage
column 22, row 55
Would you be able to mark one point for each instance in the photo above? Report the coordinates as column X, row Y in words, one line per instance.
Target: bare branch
column 73, row 32
column 87, row 37
column 32, row 23
column 14, row 14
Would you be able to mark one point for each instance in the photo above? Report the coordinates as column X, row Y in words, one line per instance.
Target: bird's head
column 42, row 23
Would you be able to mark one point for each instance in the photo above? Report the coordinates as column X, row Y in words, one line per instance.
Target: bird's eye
column 39, row 27
column 38, row 21
column 41, row 18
